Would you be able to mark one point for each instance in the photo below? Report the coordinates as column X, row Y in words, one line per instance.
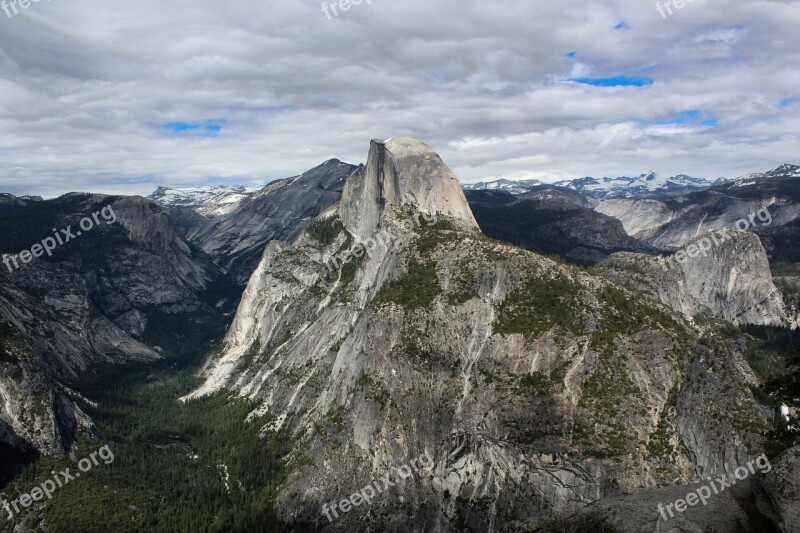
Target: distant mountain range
column 208, row 200
column 219, row 200
column 509, row 186
column 645, row 185
column 783, row 171
column 648, row 185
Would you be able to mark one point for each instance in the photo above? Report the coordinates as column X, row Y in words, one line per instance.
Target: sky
column 121, row 97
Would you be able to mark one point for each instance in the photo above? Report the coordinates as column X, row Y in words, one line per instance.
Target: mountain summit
column 401, row 171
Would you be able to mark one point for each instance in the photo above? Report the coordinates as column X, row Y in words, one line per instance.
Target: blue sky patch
column 688, row 117
column 209, row 128
column 615, row 81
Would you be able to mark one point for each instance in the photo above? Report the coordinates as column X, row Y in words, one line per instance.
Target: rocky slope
column 731, row 281
column 279, row 211
column 671, row 223
column 534, row 387
column 552, row 226
column 104, row 297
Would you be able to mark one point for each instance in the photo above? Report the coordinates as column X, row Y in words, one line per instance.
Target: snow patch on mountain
column 783, row 171
column 648, row 184
column 208, row 200
column 509, row 186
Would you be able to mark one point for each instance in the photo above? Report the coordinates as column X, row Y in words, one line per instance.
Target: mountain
column 671, row 222
column 552, row 224
column 509, row 186
column 392, row 329
column 649, row 185
column 128, row 290
column 552, row 192
column 208, row 200
column 280, row 211
column 11, row 200
column 783, row 171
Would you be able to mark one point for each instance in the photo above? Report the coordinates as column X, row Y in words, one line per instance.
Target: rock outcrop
column 401, row 171
column 777, row 491
column 730, row 279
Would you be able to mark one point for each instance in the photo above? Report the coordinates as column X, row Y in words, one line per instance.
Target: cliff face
column 279, row 211
column 732, row 280
column 534, row 387
column 552, row 227
column 671, row 224
column 94, row 301
column 401, row 171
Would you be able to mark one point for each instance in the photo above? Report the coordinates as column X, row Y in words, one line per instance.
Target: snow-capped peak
column 208, row 200
column 647, row 184
column 783, row 171
column 509, row 186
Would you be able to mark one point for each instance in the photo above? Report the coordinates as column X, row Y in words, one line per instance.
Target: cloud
column 122, row 98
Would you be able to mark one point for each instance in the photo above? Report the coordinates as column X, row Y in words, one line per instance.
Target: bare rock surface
column 730, row 280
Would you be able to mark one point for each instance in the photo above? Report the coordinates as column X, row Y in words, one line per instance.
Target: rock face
column 552, row 227
column 279, row 211
column 93, row 302
column 401, row 171
column 671, row 223
column 637, row 216
column 534, row 387
column 784, row 259
column 731, row 280
column 777, row 491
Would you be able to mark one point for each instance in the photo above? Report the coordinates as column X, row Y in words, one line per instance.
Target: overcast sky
column 123, row 96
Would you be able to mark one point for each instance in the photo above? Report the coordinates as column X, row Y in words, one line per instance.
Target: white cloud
column 85, row 88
